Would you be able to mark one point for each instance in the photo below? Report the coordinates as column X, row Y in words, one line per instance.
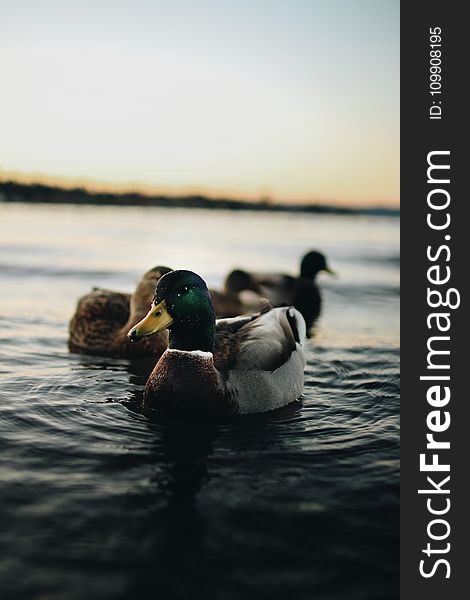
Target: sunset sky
column 296, row 100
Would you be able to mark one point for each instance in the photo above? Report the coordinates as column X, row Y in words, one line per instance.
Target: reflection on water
column 103, row 500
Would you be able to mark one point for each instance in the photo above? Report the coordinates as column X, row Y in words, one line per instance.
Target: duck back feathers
column 269, row 362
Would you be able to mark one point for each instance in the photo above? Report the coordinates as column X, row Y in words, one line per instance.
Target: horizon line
column 146, row 189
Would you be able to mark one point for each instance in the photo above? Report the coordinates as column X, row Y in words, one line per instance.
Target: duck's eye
column 182, row 291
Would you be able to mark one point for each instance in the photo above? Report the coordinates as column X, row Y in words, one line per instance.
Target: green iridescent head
column 183, row 305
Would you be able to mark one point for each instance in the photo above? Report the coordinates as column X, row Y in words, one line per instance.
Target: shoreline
column 11, row 191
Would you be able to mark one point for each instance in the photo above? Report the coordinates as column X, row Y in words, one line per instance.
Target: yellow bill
column 157, row 319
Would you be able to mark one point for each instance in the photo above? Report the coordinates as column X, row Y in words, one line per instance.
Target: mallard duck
column 103, row 318
column 247, row 364
column 301, row 292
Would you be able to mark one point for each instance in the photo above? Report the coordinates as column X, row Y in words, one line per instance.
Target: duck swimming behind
column 241, row 295
column 103, row 318
column 247, row 364
column 280, row 289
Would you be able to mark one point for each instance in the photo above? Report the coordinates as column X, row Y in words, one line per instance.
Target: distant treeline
column 11, row 191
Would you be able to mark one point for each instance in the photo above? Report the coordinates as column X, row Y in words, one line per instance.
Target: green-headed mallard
column 103, row 318
column 285, row 290
column 248, row 364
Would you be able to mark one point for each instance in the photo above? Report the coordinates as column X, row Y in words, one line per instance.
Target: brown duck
column 103, row 318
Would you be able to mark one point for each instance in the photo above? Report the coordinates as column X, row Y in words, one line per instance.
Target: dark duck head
column 312, row 263
column 182, row 304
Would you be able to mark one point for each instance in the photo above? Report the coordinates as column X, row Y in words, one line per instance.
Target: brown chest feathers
column 186, row 383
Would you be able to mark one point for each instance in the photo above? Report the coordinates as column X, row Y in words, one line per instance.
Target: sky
column 290, row 100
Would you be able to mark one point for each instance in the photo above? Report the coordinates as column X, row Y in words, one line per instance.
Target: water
column 100, row 500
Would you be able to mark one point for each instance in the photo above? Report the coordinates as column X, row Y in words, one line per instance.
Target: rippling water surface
column 100, row 500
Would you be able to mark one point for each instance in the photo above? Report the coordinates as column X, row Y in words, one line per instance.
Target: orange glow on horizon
column 154, row 190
